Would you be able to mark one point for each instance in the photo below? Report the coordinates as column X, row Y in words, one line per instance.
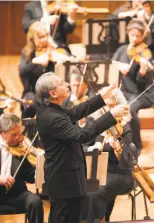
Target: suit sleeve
column 27, row 18
column 85, row 108
column 63, row 129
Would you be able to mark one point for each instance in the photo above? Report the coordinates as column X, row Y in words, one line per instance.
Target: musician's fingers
column 114, row 85
column 11, row 180
column 8, row 185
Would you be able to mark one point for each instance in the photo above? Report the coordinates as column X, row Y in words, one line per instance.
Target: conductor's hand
column 107, row 92
column 119, row 110
column 7, row 181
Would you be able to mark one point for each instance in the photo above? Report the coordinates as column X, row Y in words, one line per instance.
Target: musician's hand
column 11, row 105
column 107, row 92
column 42, row 60
column 143, row 67
column 112, row 143
column 7, row 181
column 72, row 12
column 124, row 68
column 119, row 110
column 51, row 19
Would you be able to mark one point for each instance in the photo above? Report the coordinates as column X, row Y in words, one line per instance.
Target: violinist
column 99, row 204
column 59, row 26
column 37, row 41
column 13, row 191
column 75, row 79
column 132, row 61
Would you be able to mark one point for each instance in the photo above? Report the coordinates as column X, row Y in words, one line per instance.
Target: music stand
column 96, row 169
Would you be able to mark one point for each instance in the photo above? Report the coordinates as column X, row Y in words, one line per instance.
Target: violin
column 21, row 149
column 116, row 131
column 66, row 6
column 53, row 54
column 141, row 51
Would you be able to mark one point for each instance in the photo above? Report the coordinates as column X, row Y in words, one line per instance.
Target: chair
column 133, row 196
column 10, row 210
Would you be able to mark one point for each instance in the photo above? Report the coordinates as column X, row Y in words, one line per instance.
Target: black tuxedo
column 33, row 12
column 65, row 170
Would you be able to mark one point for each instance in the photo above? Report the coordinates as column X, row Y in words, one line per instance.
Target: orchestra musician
column 136, row 75
column 129, row 9
column 77, row 84
column 81, row 92
column 13, row 190
column 99, row 204
column 65, row 170
column 62, row 25
column 37, row 41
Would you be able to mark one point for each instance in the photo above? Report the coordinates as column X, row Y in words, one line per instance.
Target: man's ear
column 53, row 93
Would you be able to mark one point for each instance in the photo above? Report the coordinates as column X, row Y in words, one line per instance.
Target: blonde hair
column 34, row 29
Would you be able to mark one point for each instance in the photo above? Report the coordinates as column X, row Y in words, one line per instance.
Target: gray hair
column 43, row 85
column 8, row 121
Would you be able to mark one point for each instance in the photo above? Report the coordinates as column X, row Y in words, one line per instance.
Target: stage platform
column 122, row 208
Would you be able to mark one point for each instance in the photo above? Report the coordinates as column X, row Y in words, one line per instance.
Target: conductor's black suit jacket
column 65, row 169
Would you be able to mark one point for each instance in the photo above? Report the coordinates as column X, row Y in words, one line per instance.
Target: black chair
column 133, row 196
column 10, row 210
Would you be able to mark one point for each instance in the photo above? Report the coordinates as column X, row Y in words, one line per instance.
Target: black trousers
column 31, row 203
column 141, row 103
column 95, row 204
column 65, row 211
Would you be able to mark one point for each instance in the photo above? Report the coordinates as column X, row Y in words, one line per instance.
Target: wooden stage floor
column 122, row 209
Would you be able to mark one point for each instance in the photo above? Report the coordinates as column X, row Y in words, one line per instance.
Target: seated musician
column 37, row 41
column 59, row 27
column 135, row 74
column 130, row 9
column 13, row 190
column 76, row 85
column 99, row 204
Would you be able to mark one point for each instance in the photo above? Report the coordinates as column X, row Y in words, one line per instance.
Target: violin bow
column 141, row 94
column 119, row 88
column 148, row 25
column 24, row 157
column 82, row 79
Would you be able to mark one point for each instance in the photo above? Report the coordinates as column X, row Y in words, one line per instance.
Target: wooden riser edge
column 147, row 123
